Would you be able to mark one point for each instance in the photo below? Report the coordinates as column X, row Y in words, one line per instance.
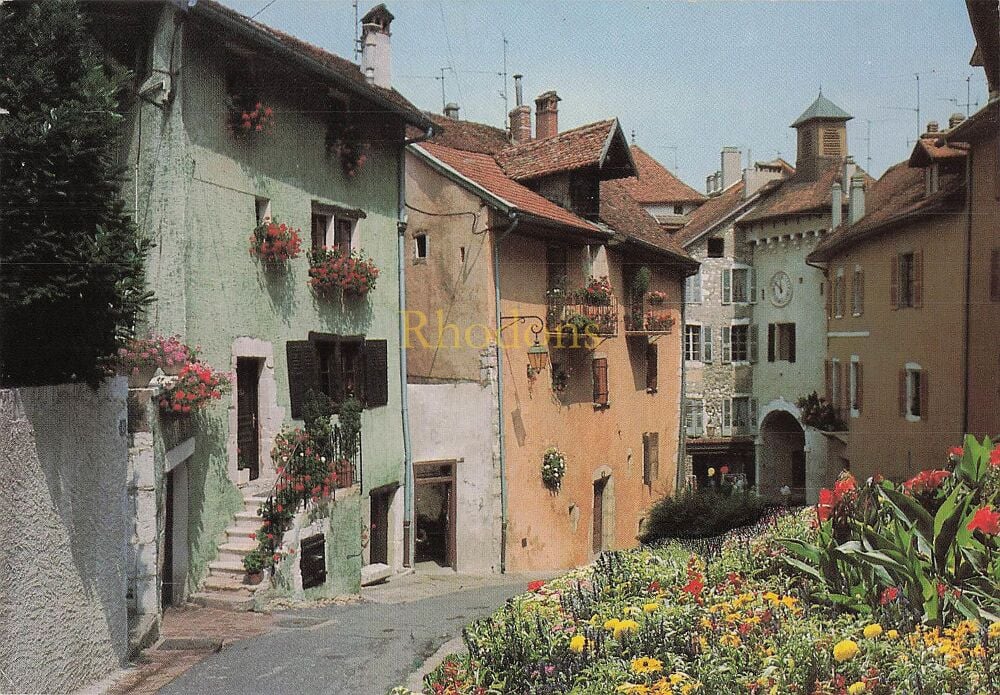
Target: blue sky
column 688, row 77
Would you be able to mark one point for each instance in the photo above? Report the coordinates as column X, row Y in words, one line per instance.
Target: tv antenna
column 357, row 37
column 503, row 93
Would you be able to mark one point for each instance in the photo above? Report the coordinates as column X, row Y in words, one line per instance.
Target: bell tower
column 822, row 135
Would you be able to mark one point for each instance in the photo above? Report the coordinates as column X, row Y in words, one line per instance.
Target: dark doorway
column 434, row 509
column 782, row 456
column 312, row 562
column 167, row 571
column 378, row 543
column 599, row 487
column 248, row 414
column 799, row 469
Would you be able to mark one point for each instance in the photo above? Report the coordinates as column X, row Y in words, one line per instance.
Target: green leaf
column 947, row 521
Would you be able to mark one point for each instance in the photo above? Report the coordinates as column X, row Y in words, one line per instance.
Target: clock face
column 781, row 289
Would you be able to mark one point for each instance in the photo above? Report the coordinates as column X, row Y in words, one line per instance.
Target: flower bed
column 750, row 619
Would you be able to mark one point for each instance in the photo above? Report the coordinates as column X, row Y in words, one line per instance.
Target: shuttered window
column 303, row 373
column 858, row 293
column 599, row 366
column 692, row 289
column 376, row 373
column 651, row 367
column 995, row 273
column 906, row 286
column 914, row 393
column 339, row 367
column 650, row 457
column 694, row 417
column 706, row 343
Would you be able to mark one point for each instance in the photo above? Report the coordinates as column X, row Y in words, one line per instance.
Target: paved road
column 359, row 649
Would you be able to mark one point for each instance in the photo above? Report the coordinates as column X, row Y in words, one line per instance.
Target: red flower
column 724, row 470
column 941, row 588
column 995, row 457
column 925, row 481
column 956, row 451
column 535, row 585
column 843, row 486
column 889, row 595
column 694, row 586
column 986, row 520
column 827, row 500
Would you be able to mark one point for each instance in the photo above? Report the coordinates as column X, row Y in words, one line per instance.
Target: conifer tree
column 71, row 258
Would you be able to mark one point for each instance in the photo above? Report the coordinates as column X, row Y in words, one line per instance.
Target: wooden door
column 598, row 541
column 247, row 414
column 167, row 572
column 379, row 539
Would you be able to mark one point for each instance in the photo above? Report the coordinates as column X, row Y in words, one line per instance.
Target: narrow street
column 360, row 649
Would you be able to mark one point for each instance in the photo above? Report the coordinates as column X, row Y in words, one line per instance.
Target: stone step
column 242, row 548
column 241, row 535
column 226, row 568
column 221, row 601
column 229, row 585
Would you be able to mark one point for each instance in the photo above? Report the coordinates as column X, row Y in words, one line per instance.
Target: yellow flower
column 994, row 630
column 688, row 688
column 730, row 639
column 611, row 624
column 646, row 664
column 633, row 689
column 844, row 650
column 872, row 631
column 625, row 626
column 789, row 601
column 892, row 634
column 577, row 643
column 650, row 607
column 677, row 678
column 978, row 651
column 706, row 623
column 711, row 472
column 770, row 596
column 856, row 688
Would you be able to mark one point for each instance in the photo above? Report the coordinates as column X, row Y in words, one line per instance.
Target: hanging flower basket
column 142, row 356
column 250, row 119
column 657, row 298
column 196, row 385
column 345, row 141
column 553, row 468
column 333, row 271
column 273, row 244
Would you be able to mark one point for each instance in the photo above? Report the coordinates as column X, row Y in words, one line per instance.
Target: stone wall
column 63, row 534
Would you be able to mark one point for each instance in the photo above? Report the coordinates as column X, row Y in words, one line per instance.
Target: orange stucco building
column 507, row 234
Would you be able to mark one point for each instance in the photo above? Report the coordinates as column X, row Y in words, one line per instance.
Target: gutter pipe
column 968, row 292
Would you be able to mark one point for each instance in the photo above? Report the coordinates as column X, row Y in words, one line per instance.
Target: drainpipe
column 968, row 291
column 408, row 538
column 682, row 419
column 514, row 222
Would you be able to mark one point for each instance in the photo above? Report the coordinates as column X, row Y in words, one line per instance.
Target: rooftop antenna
column 443, row 99
column 868, row 147
column 633, row 136
column 919, row 130
column 357, row 37
column 503, row 94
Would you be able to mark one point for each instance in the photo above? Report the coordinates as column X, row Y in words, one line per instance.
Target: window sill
column 913, row 418
column 651, row 391
column 855, row 413
column 601, row 406
column 419, row 261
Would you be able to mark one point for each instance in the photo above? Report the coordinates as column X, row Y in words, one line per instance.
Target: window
column 262, row 208
column 906, row 282
column 838, row 294
column 858, row 293
column 337, row 366
column 781, row 342
column 716, row 248
column 599, row 367
column 333, row 228
column 913, row 393
column 651, row 367
column 739, row 415
column 678, row 209
column 995, row 274
column 739, row 343
column 420, row 246
column 856, row 385
column 739, row 285
column 650, row 457
column 694, row 417
column 692, row 343
column 555, row 267
column 834, row 390
column 831, row 142
column 692, row 289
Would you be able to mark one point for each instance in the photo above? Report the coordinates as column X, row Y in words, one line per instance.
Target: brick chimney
column 932, row 127
column 954, row 120
column 520, row 116
column 547, row 115
column 376, row 54
column 451, row 110
column 732, row 160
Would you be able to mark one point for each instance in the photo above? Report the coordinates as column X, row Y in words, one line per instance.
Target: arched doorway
column 781, row 457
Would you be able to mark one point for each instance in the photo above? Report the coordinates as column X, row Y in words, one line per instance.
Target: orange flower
column 986, row 520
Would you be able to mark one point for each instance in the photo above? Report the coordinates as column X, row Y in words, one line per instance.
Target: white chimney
column 376, row 54
column 732, row 161
column 836, row 205
column 954, row 120
column 856, row 209
column 451, row 110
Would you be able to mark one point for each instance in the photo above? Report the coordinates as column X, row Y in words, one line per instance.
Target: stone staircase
column 224, row 586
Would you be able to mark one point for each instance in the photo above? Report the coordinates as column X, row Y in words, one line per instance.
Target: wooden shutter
column 651, row 366
column 924, row 394
column 842, row 295
column 894, row 283
column 303, row 373
column 918, row 278
column 752, row 274
column 706, row 343
column 727, row 286
column 752, row 338
column 828, row 371
column 861, row 292
column 791, row 342
column 727, row 417
column 770, row 341
column 697, row 287
column 995, row 272
column 727, row 344
column 376, row 373
column 902, row 393
column 859, row 385
column 845, row 395
column 600, row 369
column 753, row 414
column 829, row 299
column 650, row 457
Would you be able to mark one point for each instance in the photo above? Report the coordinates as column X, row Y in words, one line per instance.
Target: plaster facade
column 64, row 531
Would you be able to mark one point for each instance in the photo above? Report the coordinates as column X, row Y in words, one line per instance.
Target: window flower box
column 196, row 386
column 143, row 356
column 333, row 271
column 274, row 244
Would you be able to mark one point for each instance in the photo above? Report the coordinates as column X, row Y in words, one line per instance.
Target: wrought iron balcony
column 567, row 313
column 644, row 319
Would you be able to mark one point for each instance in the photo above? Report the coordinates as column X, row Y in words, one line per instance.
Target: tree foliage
column 71, row 257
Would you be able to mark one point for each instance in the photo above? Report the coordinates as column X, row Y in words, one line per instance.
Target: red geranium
column 889, row 595
column 535, row 585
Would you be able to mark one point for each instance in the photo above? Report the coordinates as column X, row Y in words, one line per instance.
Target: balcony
column 645, row 319
column 567, row 313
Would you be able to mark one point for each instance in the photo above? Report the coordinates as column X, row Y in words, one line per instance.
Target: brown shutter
column 902, row 393
column 924, row 394
column 654, row 455
column 845, row 395
column 651, row 366
column 770, row 342
column 861, row 292
column 376, row 373
column 995, row 273
column 894, row 283
column 842, row 287
column 647, row 459
column 859, row 378
column 918, row 279
column 829, row 299
column 303, row 373
column 828, row 370
column 600, row 368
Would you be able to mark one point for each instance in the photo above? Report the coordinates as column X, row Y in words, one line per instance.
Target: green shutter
column 376, row 373
column 303, row 373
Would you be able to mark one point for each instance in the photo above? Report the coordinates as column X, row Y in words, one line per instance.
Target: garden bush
column 702, row 513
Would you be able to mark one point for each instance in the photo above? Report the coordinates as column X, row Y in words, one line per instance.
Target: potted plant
column 597, row 291
column 658, row 321
column 344, row 140
column 143, row 356
column 196, row 385
column 657, row 298
column 334, row 270
column 254, row 564
column 274, row 244
column 553, row 468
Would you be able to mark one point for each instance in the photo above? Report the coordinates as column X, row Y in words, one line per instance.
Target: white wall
column 63, row 536
column 457, row 421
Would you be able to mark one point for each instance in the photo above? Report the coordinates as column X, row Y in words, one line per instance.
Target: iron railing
column 567, row 313
column 648, row 319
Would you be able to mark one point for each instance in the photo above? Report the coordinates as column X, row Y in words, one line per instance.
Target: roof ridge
column 572, row 131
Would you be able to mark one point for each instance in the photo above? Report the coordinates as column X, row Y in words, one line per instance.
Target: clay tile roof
column 572, row 149
column 710, row 213
column 483, row 170
column 345, row 73
column 623, row 214
column 934, row 149
column 898, row 195
column 801, row 194
column 467, row 135
column 655, row 184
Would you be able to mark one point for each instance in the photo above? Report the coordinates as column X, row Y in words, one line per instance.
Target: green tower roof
column 822, row 108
